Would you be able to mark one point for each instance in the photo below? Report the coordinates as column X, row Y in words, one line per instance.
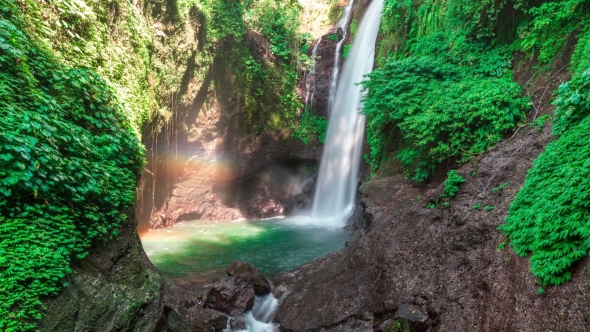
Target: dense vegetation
column 69, row 162
column 550, row 216
column 441, row 90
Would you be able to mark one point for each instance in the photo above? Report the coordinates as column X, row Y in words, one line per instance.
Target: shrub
column 432, row 109
column 572, row 103
column 452, row 183
column 311, row 126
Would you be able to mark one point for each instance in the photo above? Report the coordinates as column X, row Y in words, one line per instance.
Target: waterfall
column 343, row 26
column 337, row 180
column 310, row 79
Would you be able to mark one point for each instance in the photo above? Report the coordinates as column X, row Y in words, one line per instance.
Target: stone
column 249, row 273
column 214, row 318
column 415, row 316
column 232, row 296
column 367, row 316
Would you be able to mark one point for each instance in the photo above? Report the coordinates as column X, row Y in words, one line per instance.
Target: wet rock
column 367, row 316
column 232, row 296
column 216, row 319
column 393, row 325
column 356, row 326
column 175, row 322
column 237, row 325
column 416, row 318
column 249, row 273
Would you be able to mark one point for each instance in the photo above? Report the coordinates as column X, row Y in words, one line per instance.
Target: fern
column 550, row 216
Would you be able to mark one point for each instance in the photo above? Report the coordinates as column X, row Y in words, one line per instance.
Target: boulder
column 232, row 296
column 416, row 318
column 214, row 318
column 249, row 273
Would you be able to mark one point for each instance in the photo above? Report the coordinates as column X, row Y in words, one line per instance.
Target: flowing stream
column 337, row 180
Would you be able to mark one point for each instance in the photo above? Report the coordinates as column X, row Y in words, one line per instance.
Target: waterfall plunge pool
column 196, row 252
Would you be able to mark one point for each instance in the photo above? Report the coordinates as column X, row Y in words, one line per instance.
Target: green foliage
column 550, row 216
column 549, row 25
column 271, row 106
column 346, row 51
column 452, row 183
column 439, row 109
column 541, row 122
column 109, row 37
column 477, row 206
column 572, row 103
column 310, row 127
column 405, row 23
column 354, row 26
column 489, row 208
column 69, row 162
column 332, row 37
column 541, row 291
column 500, row 187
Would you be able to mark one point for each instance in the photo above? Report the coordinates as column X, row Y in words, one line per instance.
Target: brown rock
column 249, row 273
column 216, row 319
column 232, row 296
column 416, row 318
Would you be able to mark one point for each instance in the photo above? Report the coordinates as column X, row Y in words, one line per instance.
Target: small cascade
column 343, row 26
column 310, row 79
column 337, row 180
column 259, row 318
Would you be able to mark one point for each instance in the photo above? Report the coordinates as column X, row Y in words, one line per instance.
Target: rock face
column 232, row 296
column 249, row 273
column 116, row 288
column 445, row 261
column 205, row 163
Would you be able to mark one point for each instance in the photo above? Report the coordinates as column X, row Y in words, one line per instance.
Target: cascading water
column 310, row 79
column 336, row 187
column 260, row 317
column 342, row 26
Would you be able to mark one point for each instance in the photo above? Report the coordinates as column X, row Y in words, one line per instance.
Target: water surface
column 198, row 251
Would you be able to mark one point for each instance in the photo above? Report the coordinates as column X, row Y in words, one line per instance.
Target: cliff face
column 116, row 288
column 213, row 159
column 206, row 163
column 445, row 263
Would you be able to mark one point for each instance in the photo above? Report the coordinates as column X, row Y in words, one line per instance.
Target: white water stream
column 336, row 187
column 342, row 26
column 310, row 79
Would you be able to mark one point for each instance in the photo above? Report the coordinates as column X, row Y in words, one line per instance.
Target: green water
column 199, row 251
